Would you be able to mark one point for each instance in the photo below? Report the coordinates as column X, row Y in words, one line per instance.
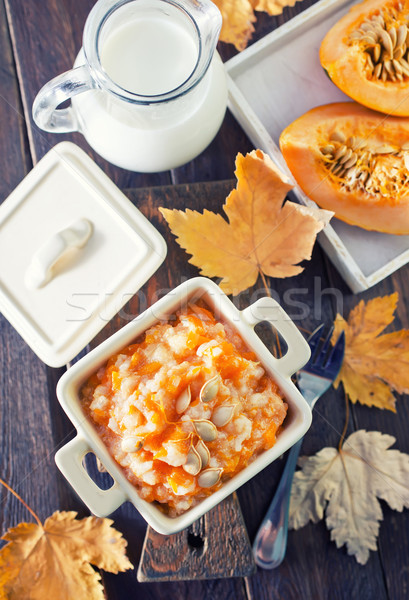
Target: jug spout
column 208, row 20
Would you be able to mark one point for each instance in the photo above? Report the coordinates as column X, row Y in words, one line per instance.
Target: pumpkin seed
column 386, row 41
column 385, row 149
column 388, row 66
column 346, row 156
column 209, row 389
column 401, row 35
column 340, row 152
column 351, row 162
column 366, row 26
column 405, row 66
column 193, row 462
column 378, row 70
column 369, row 38
column 398, row 53
column 209, row 477
column 396, row 66
column 393, row 35
column 131, row 444
column 203, row 452
column 222, row 415
column 405, row 146
column 376, row 53
column 338, row 136
column 205, row 429
column 364, row 176
column 338, row 169
column 183, row 401
column 379, row 19
column 328, row 149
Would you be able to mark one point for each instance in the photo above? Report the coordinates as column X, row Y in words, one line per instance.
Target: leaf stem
column 264, row 280
column 341, row 441
column 30, row 510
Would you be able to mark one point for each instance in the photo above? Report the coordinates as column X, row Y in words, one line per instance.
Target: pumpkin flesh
column 353, row 161
column 366, row 55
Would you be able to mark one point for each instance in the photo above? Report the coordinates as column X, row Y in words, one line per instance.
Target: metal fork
column 313, row 380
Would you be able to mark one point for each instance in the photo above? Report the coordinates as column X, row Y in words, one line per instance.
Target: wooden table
column 38, row 40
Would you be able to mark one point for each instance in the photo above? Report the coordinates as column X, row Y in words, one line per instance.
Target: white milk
column 149, row 56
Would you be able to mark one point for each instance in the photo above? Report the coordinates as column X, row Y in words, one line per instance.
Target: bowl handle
column 268, row 309
column 69, row 461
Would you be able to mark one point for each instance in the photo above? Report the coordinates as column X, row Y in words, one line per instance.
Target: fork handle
column 271, row 540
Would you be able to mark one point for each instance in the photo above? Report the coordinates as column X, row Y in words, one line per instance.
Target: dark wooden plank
column 26, row 441
column 313, row 566
column 214, row 589
column 215, row 546
column 394, row 530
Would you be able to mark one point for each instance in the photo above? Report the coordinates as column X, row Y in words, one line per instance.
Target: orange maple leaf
column 53, row 560
column 374, row 364
column 263, row 235
column 238, row 18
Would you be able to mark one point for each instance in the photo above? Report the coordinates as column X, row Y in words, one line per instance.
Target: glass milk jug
column 148, row 88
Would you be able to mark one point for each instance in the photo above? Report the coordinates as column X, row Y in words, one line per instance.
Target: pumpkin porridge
column 184, row 409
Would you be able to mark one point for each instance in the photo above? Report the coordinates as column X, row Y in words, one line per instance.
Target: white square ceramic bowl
column 69, row 458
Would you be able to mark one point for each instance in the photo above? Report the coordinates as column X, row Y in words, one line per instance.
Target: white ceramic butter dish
column 77, row 250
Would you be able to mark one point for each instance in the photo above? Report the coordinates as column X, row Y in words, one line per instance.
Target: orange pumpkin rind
column 366, row 55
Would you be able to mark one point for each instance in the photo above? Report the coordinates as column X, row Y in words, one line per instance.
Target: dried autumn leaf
column 53, row 560
column 263, row 235
column 346, row 486
column 374, row 364
column 273, row 7
column 238, row 18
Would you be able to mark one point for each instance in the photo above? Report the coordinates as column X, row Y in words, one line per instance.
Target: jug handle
column 46, row 113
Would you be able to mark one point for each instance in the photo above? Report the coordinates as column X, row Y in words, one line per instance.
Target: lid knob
column 43, row 265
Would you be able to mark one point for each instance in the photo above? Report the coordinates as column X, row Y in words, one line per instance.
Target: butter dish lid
column 74, row 250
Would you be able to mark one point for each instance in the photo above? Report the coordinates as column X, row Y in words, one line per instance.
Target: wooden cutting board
column 217, row 545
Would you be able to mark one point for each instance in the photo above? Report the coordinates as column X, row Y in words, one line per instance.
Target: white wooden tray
column 276, row 80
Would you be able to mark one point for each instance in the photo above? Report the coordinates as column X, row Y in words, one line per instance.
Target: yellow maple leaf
column 238, row 18
column 273, row 7
column 263, row 235
column 374, row 364
column 53, row 560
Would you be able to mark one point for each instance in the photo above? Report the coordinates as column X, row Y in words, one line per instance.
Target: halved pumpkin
column 366, row 54
column 353, row 161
